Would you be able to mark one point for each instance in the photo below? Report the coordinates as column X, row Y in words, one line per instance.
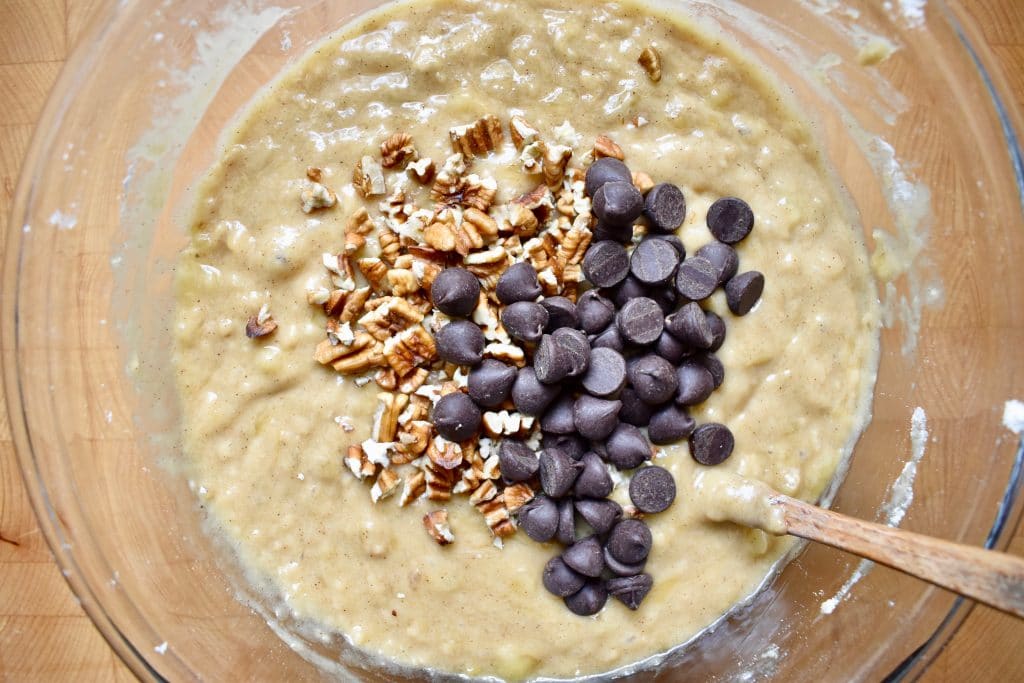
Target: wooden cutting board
column 45, row 635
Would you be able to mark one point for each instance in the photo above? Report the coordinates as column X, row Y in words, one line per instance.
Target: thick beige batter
column 262, row 418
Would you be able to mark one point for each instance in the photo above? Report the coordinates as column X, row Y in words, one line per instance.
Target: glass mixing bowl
column 920, row 139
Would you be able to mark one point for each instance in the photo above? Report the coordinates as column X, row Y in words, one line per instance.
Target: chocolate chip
column 652, row 489
column 456, row 417
column 630, row 590
column 609, row 339
column 695, row 383
column 585, row 556
column 518, row 462
column 627, row 447
column 460, row 342
column 743, row 291
column 640, row 321
column 606, row 170
column 630, row 541
column 665, row 207
column 730, row 220
column 566, row 533
column 634, row 411
column 623, row 234
column 588, row 600
column 539, row 518
column 674, row 240
column 618, row 203
column 490, row 383
column 654, row 262
column 670, row 348
column 628, row 289
column 711, row 443
column 572, row 445
column 595, row 418
column 653, row 379
column 530, row 395
column 557, row 473
column 722, row 257
column 593, row 480
column 690, row 325
column 558, row 418
column 561, row 313
column 525, row 321
column 455, row 291
column 696, row 278
column 606, row 263
column 594, row 311
column 600, row 514
column 711, row 364
column 607, row 372
column 560, row 580
column 622, row 568
column 717, row 326
column 563, row 353
column 518, row 283
column 665, row 296
column 669, row 424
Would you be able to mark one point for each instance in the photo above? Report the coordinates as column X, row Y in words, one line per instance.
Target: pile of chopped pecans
column 380, row 318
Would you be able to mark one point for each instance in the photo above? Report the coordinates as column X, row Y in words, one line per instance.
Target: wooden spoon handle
column 994, row 578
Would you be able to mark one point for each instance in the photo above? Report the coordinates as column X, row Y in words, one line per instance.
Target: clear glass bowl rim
column 81, row 61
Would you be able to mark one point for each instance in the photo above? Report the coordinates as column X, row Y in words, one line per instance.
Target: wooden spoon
column 988, row 576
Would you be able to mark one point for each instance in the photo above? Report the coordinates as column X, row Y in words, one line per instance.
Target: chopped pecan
column 415, row 486
column 556, row 159
column 497, row 517
column 339, row 332
column 445, row 454
column 422, row 171
column 315, row 174
column 327, row 353
column 572, row 248
column 477, row 138
column 418, row 409
column 448, row 188
column 469, row 482
column 650, row 60
column 386, row 379
column 358, row 463
column 390, row 246
column 484, row 492
column 487, row 265
column 385, row 421
column 403, row 282
column 478, row 193
column 439, row 482
column 315, row 196
column 375, row 271
column 409, row 349
column 356, row 228
column 508, row 353
column 413, row 439
column 523, row 133
column 604, row 146
column 502, row 423
column 364, row 360
column 549, row 282
column 539, row 200
column 440, row 235
column 386, row 484
column 354, row 304
column 368, row 178
column 393, row 315
column 477, row 229
column 642, row 182
column 523, row 221
column 319, row 296
column 517, row 495
column 436, row 524
column 261, row 324
column 409, row 383
column 396, row 150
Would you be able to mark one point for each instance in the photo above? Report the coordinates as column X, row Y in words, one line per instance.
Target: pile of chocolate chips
column 633, row 352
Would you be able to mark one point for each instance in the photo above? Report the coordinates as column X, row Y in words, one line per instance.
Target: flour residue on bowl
column 894, row 509
column 1013, row 416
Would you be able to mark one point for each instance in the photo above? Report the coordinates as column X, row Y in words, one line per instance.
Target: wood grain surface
column 45, row 635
